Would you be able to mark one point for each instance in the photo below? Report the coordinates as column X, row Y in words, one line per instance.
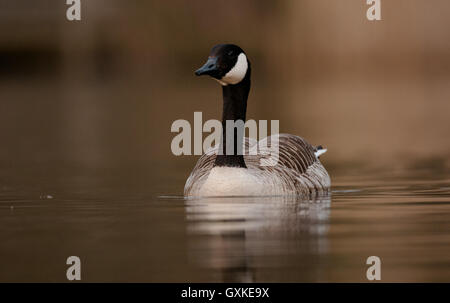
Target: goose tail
column 319, row 150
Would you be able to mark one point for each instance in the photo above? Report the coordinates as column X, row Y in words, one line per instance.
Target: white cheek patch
column 237, row 73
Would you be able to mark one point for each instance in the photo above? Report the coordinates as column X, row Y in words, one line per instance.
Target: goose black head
column 227, row 63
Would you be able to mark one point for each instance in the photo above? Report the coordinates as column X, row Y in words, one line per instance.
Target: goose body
column 297, row 169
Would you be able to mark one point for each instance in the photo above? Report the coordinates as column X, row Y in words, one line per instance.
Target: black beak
column 208, row 68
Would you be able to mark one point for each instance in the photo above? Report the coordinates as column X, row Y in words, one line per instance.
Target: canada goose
column 298, row 170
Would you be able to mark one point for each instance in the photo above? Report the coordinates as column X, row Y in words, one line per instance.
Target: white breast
column 225, row 180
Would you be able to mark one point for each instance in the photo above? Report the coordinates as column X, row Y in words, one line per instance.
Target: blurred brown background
column 102, row 93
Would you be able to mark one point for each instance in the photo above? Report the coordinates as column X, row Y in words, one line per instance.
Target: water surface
column 124, row 230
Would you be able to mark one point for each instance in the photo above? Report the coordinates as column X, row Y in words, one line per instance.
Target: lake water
column 124, row 230
column 86, row 167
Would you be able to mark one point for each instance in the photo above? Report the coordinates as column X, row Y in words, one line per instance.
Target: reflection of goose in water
column 240, row 235
column 298, row 170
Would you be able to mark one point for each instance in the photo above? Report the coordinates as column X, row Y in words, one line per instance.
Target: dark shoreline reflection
column 238, row 236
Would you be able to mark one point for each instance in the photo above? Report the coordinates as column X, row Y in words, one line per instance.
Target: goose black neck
column 234, row 109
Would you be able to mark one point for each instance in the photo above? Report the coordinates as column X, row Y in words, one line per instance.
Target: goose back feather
column 297, row 172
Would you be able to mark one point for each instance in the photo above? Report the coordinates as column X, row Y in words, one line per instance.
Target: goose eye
column 230, row 53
